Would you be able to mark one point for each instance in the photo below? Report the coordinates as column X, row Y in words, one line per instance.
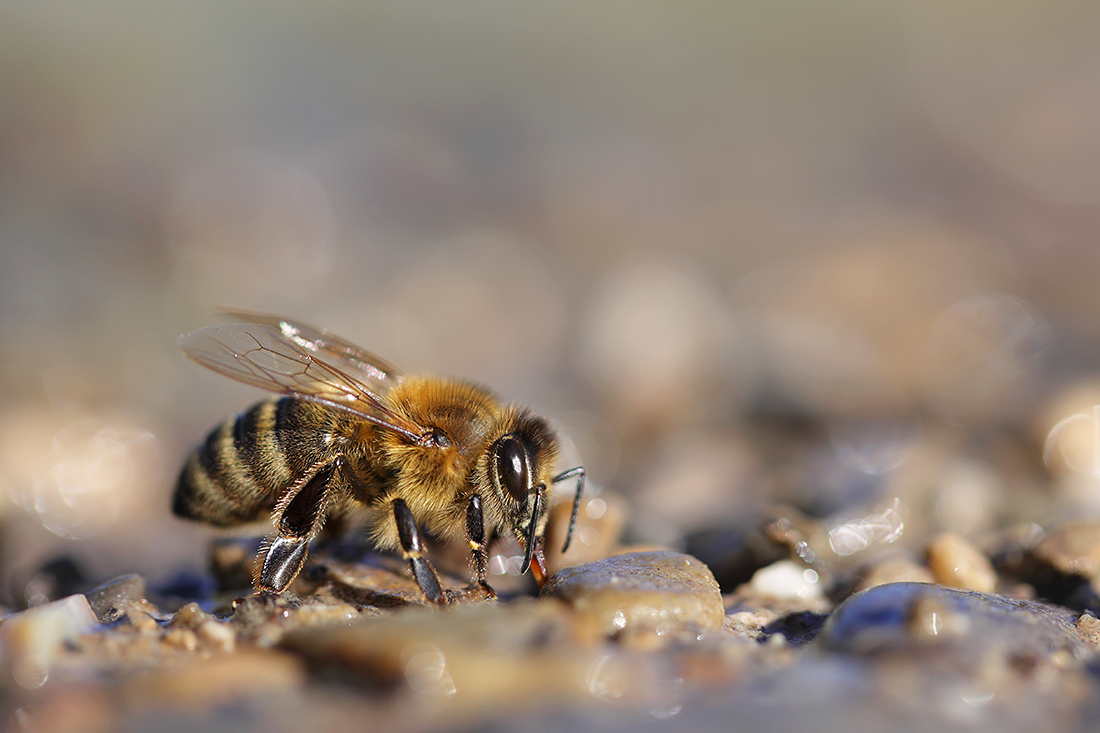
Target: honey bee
column 350, row 430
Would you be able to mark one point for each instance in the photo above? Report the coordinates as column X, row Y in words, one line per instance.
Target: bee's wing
column 265, row 357
column 374, row 371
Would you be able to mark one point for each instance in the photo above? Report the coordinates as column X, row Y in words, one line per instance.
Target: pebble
column 34, row 640
column 893, row 569
column 119, row 597
column 1088, row 626
column 641, row 598
column 471, row 655
column 750, row 622
column 262, row 620
column 1073, row 549
column 181, row 638
column 786, row 580
column 956, row 563
column 204, row 629
column 217, row 635
column 963, row 630
column 190, row 616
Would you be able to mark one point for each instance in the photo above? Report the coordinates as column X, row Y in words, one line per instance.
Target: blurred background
column 842, row 255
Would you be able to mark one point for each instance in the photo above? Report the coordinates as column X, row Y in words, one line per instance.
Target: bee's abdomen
column 236, row 475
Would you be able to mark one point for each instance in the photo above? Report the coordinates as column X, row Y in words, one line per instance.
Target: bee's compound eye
column 512, row 468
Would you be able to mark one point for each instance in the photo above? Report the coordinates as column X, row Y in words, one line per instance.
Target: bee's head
column 518, row 464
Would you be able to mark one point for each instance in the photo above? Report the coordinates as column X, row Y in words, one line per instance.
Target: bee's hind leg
column 282, row 563
column 412, row 547
column 298, row 520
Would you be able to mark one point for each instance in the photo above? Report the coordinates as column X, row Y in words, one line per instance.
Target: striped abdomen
column 239, row 472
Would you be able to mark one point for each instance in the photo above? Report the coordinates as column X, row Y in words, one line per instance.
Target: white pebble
column 786, row 579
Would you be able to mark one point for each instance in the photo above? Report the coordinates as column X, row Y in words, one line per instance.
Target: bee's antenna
column 532, row 529
column 579, row 473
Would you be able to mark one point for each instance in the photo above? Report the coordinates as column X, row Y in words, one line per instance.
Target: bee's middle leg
column 412, row 547
column 297, row 522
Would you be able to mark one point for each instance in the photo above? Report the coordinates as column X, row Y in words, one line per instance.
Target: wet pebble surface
column 947, row 659
column 641, row 597
column 960, row 626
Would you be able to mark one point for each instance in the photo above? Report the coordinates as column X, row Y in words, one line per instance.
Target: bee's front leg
column 297, row 518
column 475, row 535
column 412, row 547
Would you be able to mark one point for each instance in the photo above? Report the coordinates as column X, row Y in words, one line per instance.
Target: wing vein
column 269, row 357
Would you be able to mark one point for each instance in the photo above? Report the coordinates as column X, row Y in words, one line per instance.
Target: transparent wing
column 372, row 370
column 265, row 357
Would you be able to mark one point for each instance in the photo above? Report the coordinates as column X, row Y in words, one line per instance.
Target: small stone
column 181, row 638
column 217, row 635
column 749, row 623
column 956, row 563
column 190, row 616
column 893, row 569
column 142, row 622
column 34, row 639
column 786, row 580
column 112, row 599
column 1088, row 626
column 1073, row 549
column 641, row 597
